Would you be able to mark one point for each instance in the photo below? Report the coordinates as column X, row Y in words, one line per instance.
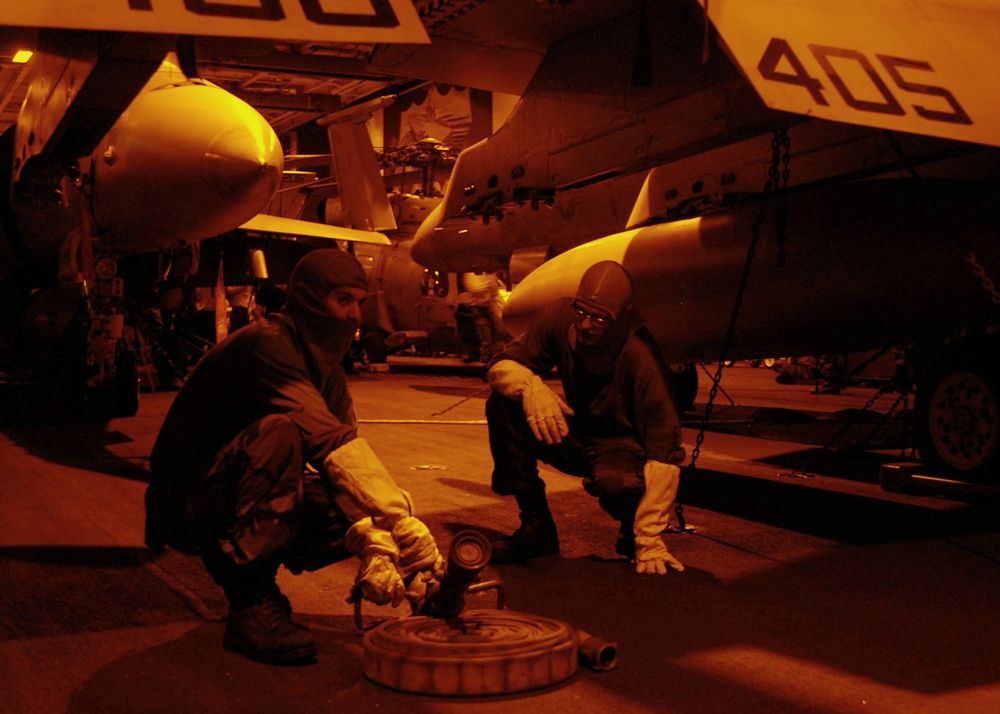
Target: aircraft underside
column 863, row 265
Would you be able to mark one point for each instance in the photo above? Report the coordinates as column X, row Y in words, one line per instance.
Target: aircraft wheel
column 373, row 343
column 958, row 415
column 685, row 387
column 125, row 390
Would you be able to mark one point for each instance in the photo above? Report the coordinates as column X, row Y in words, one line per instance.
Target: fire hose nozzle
column 595, row 653
column 469, row 553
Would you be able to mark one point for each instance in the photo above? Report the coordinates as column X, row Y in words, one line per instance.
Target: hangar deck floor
column 807, row 588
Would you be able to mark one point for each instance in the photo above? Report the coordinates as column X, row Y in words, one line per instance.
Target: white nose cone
column 185, row 162
column 242, row 162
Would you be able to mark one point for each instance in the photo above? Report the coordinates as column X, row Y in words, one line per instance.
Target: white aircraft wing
column 375, row 21
column 920, row 66
column 263, row 223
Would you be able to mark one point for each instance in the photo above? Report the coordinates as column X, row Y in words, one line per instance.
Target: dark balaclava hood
column 313, row 279
column 606, row 289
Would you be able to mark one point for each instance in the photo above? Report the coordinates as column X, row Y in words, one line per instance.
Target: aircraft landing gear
column 373, row 347
column 958, row 412
column 685, row 387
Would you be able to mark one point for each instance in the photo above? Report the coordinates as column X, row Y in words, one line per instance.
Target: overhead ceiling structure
column 492, row 45
column 14, row 77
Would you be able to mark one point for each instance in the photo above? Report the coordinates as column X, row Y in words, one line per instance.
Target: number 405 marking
column 779, row 49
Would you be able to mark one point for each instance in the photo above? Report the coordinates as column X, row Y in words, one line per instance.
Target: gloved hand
column 545, row 410
column 424, row 587
column 652, row 556
column 652, row 518
column 378, row 581
column 364, row 486
column 417, row 549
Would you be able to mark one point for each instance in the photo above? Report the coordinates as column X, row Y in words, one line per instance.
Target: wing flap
column 263, row 223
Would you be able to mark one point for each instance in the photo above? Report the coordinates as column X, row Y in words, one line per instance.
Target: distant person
column 269, row 299
column 259, row 464
column 479, row 315
column 830, row 369
column 618, row 427
column 240, row 298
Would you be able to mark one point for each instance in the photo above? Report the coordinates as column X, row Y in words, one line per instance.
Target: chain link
column 985, row 279
column 777, row 181
column 904, row 394
column 474, row 395
column 781, row 143
column 774, row 179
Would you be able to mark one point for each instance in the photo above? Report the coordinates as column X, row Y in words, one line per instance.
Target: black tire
column 71, row 369
column 125, row 390
column 373, row 343
column 958, row 413
column 685, row 387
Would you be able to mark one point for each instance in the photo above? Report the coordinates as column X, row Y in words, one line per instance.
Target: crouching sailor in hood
column 617, row 427
column 259, row 464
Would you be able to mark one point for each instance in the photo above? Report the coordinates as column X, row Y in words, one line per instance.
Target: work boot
column 622, row 509
column 625, row 545
column 535, row 537
column 282, row 601
column 264, row 632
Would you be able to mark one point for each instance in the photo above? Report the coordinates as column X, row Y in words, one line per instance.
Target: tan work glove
column 424, row 586
column 417, row 548
column 545, row 411
column 652, row 518
column 364, row 486
column 420, row 562
column 378, row 579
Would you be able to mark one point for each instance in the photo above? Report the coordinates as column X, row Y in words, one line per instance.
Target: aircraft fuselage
column 867, row 264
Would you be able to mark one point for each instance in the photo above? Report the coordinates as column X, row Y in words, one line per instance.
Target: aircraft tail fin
column 362, row 188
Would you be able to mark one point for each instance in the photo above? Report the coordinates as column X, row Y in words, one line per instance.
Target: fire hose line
column 462, row 422
column 446, row 650
column 483, row 652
